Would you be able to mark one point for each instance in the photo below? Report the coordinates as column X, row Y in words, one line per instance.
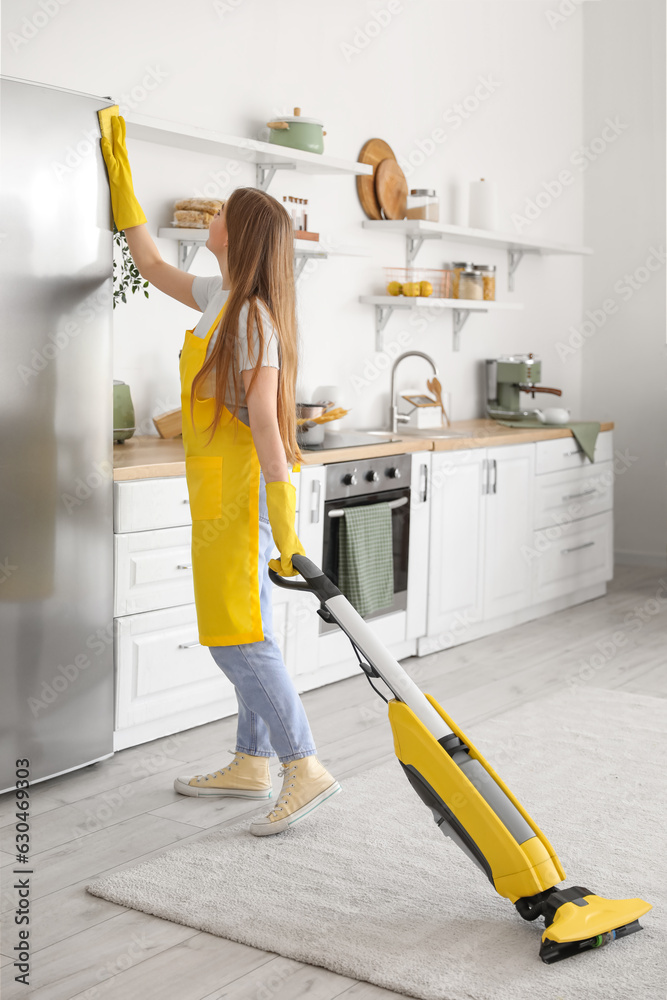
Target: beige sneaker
column 247, row 777
column 306, row 785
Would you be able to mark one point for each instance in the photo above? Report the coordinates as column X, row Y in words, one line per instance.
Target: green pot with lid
column 297, row 133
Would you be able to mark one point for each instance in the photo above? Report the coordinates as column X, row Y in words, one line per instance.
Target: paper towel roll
column 483, row 205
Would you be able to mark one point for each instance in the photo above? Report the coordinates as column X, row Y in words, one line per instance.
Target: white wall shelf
column 267, row 157
column 386, row 304
column 416, row 231
column 190, row 240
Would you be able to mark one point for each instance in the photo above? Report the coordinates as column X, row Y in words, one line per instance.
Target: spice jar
column 423, row 204
column 488, row 280
column 471, row 284
column 457, row 266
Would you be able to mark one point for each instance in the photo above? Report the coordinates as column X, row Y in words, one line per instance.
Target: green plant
column 127, row 276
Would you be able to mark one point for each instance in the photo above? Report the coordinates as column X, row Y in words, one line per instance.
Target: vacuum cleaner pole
column 470, row 803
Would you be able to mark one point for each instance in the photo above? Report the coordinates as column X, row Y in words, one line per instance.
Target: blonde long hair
column 260, row 260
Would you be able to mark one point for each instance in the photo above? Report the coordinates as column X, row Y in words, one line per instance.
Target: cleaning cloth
column 585, row 432
column 366, row 558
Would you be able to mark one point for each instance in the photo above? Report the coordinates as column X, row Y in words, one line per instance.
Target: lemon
column 411, row 288
column 394, row 288
column 425, row 288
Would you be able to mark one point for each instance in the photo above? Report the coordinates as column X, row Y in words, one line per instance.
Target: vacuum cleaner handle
column 315, row 580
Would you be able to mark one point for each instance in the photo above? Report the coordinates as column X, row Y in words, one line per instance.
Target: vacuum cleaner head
column 577, row 920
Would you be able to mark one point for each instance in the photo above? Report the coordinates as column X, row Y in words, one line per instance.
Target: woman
column 241, row 497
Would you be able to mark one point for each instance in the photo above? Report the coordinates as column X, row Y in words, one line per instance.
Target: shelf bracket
column 413, row 245
column 460, row 317
column 187, row 251
column 514, row 258
column 265, row 172
column 382, row 314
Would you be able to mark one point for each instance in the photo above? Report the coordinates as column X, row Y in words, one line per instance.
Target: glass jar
column 489, row 280
column 423, row 204
column 457, row 266
column 471, row 284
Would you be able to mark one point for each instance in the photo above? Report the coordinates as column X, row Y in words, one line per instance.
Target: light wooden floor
column 124, row 810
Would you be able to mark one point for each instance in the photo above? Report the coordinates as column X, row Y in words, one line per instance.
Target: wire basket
column 415, row 281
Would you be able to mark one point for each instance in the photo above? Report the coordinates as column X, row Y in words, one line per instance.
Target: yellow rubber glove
column 281, row 504
column 126, row 209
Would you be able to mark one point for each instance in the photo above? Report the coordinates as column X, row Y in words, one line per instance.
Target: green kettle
column 123, row 412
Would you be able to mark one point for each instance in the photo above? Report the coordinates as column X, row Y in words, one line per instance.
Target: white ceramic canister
column 483, row 205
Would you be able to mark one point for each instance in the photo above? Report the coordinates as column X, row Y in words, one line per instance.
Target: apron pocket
column 204, row 478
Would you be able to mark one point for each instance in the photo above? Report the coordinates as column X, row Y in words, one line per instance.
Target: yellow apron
column 223, row 486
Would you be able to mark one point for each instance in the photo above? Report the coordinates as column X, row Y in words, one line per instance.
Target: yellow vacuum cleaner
column 470, row 803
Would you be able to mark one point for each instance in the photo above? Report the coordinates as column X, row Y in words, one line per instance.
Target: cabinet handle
column 569, row 454
column 315, row 490
column 185, row 501
column 185, row 566
column 495, row 476
column 189, row 645
column 575, row 548
column 575, row 496
column 424, row 470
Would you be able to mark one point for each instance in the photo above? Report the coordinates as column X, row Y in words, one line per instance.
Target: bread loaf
column 193, row 220
column 198, row 205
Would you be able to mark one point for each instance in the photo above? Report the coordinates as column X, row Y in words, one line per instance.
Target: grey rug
column 370, row 888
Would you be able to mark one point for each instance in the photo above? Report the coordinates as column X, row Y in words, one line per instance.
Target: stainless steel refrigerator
column 56, row 423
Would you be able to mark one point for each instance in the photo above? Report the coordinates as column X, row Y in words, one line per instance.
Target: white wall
column 623, row 348
column 557, row 70
column 236, row 64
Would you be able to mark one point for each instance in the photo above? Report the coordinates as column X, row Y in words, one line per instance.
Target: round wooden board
column 391, row 189
column 373, row 152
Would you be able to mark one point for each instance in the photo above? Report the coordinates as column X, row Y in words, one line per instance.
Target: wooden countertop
column 146, row 456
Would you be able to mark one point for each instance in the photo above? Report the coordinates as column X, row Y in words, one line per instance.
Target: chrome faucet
column 394, row 416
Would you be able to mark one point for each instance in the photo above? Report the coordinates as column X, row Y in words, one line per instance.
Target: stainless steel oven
column 363, row 482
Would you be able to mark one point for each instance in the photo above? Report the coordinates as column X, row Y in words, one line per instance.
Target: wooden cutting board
column 373, row 152
column 391, row 189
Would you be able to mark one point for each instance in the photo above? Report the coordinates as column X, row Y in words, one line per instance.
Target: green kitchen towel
column 366, row 557
column 585, row 431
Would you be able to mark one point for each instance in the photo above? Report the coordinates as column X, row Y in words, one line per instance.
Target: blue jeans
column 272, row 719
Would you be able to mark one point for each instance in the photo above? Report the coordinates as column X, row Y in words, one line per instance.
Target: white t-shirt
column 210, row 296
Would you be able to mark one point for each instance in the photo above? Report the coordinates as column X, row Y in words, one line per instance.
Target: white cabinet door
column 508, row 528
column 303, row 620
column 457, row 544
column 164, row 676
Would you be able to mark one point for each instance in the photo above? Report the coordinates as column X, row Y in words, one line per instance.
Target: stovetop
column 349, row 439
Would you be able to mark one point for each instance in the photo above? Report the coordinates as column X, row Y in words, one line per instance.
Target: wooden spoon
column 435, row 387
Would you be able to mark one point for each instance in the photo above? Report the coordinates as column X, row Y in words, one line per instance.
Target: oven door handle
column 390, row 503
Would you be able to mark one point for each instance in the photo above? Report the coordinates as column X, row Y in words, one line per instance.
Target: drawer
column 161, row 669
column 152, row 570
column 565, row 453
column 573, row 494
column 143, row 504
column 570, row 556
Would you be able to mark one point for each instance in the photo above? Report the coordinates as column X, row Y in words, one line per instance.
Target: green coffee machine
column 506, row 378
